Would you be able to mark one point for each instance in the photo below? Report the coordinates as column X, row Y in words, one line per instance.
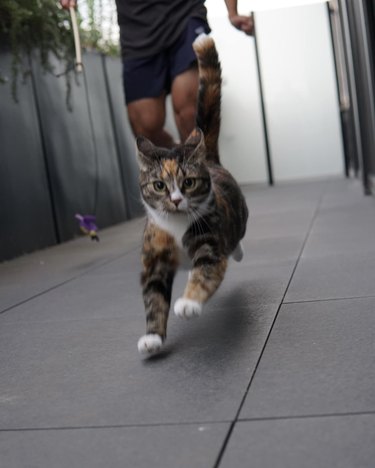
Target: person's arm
column 243, row 23
column 68, row 3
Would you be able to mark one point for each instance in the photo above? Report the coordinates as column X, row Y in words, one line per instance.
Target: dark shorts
column 149, row 77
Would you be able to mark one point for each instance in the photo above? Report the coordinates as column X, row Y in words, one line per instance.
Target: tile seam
column 236, row 418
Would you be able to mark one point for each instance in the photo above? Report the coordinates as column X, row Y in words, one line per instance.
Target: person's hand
column 243, row 23
column 68, row 4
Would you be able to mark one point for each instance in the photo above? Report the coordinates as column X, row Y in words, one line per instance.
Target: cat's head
column 175, row 180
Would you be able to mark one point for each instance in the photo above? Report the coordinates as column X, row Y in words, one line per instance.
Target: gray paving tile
column 103, row 294
column 318, row 360
column 113, row 290
column 77, row 361
column 333, row 276
column 271, row 250
column 339, row 256
column 342, row 230
column 344, row 193
column 88, row 372
column 32, row 274
column 109, row 291
column 334, row 442
column 285, row 197
column 188, row 446
column 87, row 297
column 246, row 285
column 280, row 224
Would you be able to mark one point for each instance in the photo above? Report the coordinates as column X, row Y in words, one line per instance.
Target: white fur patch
column 237, row 253
column 176, row 224
column 187, row 308
column 149, row 344
column 201, row 39
column 176, row 194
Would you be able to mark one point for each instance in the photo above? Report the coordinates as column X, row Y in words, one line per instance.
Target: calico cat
column 196, row 212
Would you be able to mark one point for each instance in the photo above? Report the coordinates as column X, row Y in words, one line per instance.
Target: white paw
column 237, row 253
column 186, row 308
column 149, row 344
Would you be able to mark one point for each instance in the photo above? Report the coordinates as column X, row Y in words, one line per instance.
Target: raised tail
column 209, row 96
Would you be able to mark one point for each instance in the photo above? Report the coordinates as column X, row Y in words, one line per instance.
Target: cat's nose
column 177, row 201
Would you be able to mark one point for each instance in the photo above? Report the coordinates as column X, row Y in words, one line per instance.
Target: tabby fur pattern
column 196, row 213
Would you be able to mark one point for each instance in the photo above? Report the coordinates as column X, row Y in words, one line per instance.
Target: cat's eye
column 190, row 183
column 159, row 186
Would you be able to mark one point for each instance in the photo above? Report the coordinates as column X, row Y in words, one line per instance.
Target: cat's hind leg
column 237, row 253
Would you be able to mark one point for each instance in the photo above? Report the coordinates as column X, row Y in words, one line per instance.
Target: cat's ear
column 196, row 141
column 195, row 137
column 145, row 152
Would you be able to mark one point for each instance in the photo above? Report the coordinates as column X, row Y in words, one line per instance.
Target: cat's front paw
column 187, row 308
column 149, row 344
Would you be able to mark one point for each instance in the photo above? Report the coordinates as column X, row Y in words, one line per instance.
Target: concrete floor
column 278, row 372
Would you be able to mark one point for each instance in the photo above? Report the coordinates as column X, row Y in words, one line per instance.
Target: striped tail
column 209, row 96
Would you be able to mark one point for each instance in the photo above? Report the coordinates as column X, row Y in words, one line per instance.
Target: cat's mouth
column 179, row 209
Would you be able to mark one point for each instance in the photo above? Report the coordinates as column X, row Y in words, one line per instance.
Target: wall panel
column 26, row 217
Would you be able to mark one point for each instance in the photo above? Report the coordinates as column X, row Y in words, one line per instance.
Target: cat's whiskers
column 198, row 222
column 195, row 223
column 202, row 210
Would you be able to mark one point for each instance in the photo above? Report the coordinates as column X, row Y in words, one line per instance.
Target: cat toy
column 87, row 223
column 77, row 42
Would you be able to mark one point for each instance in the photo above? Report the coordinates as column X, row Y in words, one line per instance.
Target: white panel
column 300, row 92
column 242, row 147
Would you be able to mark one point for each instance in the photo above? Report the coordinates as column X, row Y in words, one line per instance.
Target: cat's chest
column 176, row 224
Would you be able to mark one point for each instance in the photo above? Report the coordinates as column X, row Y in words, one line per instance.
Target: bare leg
column 184, row 99
column 147, row 118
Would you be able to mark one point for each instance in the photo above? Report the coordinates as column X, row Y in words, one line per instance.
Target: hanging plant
column 35, row 26
column 43, row 27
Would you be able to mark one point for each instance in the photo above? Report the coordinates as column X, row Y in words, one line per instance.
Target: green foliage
column 44, row 28
column 99, row 30
column 35, row 25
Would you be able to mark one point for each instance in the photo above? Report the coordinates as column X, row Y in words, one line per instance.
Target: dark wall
column 55, row 161
column 26, row 213
column 358, row 25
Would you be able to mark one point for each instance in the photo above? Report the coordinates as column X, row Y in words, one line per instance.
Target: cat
column 196, row 212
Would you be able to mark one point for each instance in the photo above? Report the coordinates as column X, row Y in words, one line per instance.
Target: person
column 156, row 39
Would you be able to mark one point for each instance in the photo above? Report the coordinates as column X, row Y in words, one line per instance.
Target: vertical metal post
column 358, row 33
column 261, row 91
column 341, row 80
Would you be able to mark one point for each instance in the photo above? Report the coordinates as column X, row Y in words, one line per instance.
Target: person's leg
column 147, row 118
column 184, row 99
column 185, row 77
column 146, row 83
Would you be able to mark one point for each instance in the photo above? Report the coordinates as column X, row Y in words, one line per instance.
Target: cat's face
column 174, row 180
